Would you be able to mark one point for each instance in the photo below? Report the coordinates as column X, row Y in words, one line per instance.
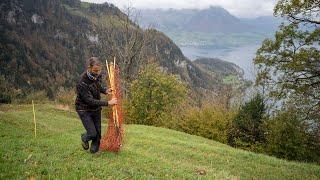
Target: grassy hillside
column 148, row 152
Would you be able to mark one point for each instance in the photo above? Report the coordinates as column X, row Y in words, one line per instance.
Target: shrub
column 291, row 138
column 5, row 96
column 36, row 96
column 65, row 96
column 211, row 121
column 153, row 95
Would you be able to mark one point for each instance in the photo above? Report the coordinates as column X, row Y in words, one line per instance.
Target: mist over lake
column 241, row 56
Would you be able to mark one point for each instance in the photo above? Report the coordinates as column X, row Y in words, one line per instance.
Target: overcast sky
column 239, row 8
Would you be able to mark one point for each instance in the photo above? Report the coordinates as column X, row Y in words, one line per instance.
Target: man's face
column 95, row 70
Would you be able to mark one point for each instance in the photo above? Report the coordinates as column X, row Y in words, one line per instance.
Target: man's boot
column 85, row 143
column 95, row 145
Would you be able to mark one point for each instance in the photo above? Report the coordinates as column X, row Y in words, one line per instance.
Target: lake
column 241, row 56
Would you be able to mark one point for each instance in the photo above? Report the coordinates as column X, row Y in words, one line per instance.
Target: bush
column 152, row 95
column 5, row 96
column 211, row 121
column 65, row 96
column 291, row 138
column 27, row 97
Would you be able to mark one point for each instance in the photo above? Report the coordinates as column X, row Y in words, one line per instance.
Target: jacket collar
column 91, row 77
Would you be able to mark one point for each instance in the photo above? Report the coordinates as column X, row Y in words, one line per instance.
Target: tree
column 299, row 11
column 289, row 64
column 125, row 40
column 153, row 95
column 247, row 127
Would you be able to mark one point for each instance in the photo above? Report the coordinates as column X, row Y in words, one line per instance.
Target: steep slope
column 148, row 152
column 44, row 45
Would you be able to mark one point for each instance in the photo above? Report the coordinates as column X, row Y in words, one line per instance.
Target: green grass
column 148, row 152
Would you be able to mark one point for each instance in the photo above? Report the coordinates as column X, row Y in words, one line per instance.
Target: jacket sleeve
column 88, row 98
column 103, row 89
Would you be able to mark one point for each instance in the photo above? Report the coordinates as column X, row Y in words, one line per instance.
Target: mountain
column 264, row 23
column 147, row 152
column 229, row 74
column 44, row 45
column 220, row 67
column 213, row 27
column 213, row 19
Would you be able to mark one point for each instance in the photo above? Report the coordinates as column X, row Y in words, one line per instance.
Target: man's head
column 94, row 66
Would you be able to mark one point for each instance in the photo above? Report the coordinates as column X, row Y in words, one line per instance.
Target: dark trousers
column 91, row 121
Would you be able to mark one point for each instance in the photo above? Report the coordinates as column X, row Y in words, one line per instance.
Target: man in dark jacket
column 88, row 104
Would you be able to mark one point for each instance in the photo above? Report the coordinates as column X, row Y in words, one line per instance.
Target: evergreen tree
column 247, row 127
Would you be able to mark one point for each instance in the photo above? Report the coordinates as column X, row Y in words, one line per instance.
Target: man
column 88, row 104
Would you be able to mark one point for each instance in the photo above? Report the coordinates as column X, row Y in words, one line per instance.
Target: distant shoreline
column 241, row 56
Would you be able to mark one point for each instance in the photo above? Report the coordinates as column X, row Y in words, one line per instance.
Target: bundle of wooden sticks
column 112, row 139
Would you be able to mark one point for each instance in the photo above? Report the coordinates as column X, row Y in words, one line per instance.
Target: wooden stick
column 113, row 86
column 34, row 120
column 116, row 113
column 108, row 69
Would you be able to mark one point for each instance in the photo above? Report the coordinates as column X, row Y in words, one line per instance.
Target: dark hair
column 93, row 61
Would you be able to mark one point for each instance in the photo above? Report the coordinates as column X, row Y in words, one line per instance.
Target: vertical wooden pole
column 116, row 109
column 113, row 87
column 34, row 120
column 108, row 71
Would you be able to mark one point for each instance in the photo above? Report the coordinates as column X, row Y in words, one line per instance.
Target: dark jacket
column 88, row 94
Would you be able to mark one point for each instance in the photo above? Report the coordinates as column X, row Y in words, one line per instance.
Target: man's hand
column 113, row 101
column 109, row 91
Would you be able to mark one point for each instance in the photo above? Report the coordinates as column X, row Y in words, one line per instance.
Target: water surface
column 241, row 56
